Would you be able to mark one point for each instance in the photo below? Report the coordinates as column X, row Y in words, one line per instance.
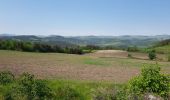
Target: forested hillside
column 37, row 47
column 114, row 41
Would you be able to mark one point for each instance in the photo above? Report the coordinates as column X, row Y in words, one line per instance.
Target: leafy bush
column 34, row 88
column 42, row 90
column 150, row 81
column 26, row 85
column 14, row 94
column 6, row 77
column 152, row 55
column 68, row 93
column 29, row 88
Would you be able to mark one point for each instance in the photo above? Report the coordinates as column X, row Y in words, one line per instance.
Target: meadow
column 85, row 73
column 108, row 66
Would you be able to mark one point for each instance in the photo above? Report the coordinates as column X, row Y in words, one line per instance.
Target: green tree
column 27, row 46
column 152, row 55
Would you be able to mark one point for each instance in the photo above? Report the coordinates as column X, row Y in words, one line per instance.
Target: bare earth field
column 105, row 65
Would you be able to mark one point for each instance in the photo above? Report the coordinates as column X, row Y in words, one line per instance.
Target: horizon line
column 8, row 34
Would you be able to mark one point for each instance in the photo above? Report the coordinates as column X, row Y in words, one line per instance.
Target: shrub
column 26, row 85
column 29, row 88
column 34, row 88
column 68, row 93
column 14, row 94
column 152, row 55
column 42, row 90
column 6, row 77
column 150, row 81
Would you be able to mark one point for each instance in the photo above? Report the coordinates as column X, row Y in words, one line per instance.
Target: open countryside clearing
column 103, row 65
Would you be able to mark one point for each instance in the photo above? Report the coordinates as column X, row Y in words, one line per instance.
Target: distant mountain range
column 117, row 41
column 7, row 34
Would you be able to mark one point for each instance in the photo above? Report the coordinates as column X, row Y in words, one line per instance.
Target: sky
column 85, row 17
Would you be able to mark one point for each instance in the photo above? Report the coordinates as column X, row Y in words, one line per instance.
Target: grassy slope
column 163, row 49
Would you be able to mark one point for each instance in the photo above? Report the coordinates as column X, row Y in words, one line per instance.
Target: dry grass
column 91, row 67
column 110, row 53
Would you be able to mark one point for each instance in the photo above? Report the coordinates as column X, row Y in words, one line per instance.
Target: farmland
column 110, row 66
column 87, row 76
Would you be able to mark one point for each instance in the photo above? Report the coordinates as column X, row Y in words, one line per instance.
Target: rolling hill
column 163, row 47
column 116, row 41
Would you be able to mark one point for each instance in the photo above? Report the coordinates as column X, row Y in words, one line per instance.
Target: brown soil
column 110, row 53
column 62, row 66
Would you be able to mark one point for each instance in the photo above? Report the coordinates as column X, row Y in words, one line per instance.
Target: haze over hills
column 117, row 41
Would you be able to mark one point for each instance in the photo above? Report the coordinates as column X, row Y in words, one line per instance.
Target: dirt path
column 110, row 53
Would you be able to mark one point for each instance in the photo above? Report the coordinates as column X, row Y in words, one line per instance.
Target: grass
column 97, row 62
column 4, row 89
column 85, row 88
column 128, row 62
column 163, row 49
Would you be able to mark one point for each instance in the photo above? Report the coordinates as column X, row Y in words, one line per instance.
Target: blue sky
column 85, row 17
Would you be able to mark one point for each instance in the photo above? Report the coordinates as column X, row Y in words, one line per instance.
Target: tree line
column 37, row 47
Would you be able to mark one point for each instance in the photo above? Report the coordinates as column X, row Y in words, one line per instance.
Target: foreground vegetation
column 27, row 87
